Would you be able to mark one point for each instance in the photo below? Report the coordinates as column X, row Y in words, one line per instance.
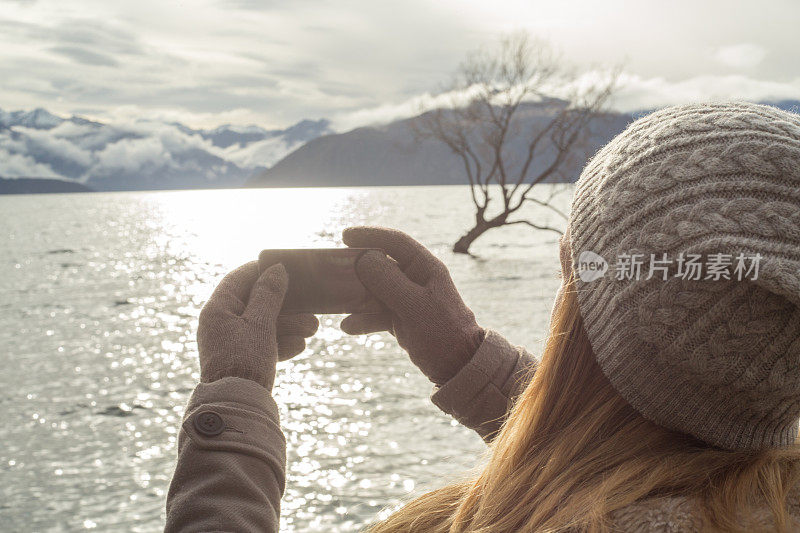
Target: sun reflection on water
column 223, row 229
column 101, row 295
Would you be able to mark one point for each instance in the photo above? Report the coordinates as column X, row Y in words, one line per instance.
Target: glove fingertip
column 363, row 324
column 273, row 284
column 290, row 346
column 356, row 326
column 350, row 234
column 373, row 262
column 266, row 296
column 310, row 322
column 348, row 325
column 276, row 277
column 364, row 236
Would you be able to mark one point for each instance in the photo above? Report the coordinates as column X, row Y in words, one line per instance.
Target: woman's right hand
column 425, row 312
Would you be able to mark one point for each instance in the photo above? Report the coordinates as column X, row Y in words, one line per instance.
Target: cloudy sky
column 207, row 62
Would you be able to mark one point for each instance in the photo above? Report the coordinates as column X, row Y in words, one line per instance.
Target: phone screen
column 322, row 280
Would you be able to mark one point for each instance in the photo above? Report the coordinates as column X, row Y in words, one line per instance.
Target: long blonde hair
column 572, row 450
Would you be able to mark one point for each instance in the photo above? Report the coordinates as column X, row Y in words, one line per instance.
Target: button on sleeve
column 208, row 423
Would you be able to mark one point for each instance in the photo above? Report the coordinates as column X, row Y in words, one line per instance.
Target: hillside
column 392, row 155
column 152, row 155
column 39, row 185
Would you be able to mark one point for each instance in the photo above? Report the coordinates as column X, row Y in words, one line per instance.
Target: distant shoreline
column 40, row 186
column 83, row 189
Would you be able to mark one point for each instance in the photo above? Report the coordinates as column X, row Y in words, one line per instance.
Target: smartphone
column 322, row 280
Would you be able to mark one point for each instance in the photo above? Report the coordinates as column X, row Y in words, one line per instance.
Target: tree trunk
column 465, row 241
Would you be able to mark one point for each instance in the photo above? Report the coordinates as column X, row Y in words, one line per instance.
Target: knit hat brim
column 718, row 359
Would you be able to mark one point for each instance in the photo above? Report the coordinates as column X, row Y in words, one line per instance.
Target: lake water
column 98, row 315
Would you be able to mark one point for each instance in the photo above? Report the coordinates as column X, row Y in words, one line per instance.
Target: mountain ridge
column 142, row 154
column 388, row 155
column 152, row 155
column 391, row 154
column 40, row 185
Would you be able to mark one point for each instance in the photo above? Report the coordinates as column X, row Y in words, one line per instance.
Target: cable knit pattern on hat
column 718, row 359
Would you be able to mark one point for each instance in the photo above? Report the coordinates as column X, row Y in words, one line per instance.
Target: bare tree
column 511, row 133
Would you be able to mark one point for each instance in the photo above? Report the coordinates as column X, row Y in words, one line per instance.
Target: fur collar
column 678, row 514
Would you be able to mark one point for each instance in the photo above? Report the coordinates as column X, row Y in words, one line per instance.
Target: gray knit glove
column 426, row 313
column 240, row 332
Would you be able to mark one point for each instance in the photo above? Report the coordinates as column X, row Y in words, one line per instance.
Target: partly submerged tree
column 516, row 117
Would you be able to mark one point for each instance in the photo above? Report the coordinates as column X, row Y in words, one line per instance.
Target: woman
column 667, row 398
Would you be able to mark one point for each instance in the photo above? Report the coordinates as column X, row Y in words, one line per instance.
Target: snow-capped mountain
column 147, row 154
column 142, row 154
column 38, row 118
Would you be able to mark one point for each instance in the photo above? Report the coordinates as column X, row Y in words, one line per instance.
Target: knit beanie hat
column 685, row 242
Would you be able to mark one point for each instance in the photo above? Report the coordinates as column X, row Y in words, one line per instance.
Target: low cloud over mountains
column 152, row 154
column 142, row 154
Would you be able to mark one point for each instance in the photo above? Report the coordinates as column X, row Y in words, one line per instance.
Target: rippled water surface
column 100, row 295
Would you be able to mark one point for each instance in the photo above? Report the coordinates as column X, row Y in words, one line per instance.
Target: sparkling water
column 100, row 295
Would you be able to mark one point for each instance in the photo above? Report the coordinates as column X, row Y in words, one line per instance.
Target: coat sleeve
column 231, row 465
column 482, row 392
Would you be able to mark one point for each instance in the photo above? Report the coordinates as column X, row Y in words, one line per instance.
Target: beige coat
column 231, row 465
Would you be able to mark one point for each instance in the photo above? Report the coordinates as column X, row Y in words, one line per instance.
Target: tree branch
column 535, row 226
column 487, row 126
column 548, row 205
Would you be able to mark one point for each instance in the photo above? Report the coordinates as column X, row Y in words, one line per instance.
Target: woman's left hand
column 241, row 333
